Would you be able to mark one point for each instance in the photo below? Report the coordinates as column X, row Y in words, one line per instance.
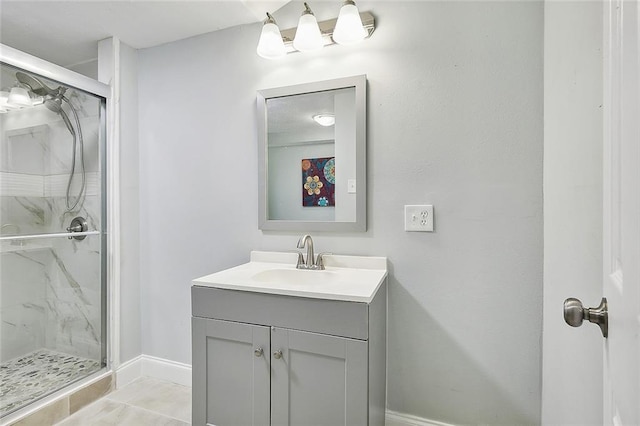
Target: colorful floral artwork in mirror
column 318, row 182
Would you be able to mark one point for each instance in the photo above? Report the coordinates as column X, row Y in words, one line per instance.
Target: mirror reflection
column 313, row 148
column 309, row 162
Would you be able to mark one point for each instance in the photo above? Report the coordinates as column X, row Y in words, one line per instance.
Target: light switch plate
column 351, row 186
column 418, row 218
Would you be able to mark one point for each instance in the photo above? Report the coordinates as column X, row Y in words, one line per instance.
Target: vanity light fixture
column 308, row 37
column 4, row 104
column 19, row 97
column 270, row 45
column 350, row 27
column 325, row 120
column 18, row 101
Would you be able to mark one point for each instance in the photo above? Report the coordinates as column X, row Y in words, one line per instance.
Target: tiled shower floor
column 37, row 374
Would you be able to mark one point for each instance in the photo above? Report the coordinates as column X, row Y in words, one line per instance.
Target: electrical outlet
column 418, row 218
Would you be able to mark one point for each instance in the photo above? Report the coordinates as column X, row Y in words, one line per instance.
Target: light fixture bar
column 326, row 29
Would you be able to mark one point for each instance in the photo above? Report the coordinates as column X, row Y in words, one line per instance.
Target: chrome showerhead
column 35, row 84
column 53, row 97
column 54, row 100
column 54, row 104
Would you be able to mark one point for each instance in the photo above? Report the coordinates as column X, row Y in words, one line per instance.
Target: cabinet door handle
column 258, row 352
column 277, row 354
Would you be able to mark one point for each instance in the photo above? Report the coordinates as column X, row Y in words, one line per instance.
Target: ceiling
column 295, row 113
column 66, row 32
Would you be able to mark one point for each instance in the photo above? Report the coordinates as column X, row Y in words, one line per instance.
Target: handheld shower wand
column 54, row 99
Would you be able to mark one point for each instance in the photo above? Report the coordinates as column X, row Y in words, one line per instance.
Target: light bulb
column 19, row 97
column 308, row 37
column 349, row 27
column 270, row 45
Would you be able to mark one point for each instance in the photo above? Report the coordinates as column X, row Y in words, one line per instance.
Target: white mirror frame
column 360, row 224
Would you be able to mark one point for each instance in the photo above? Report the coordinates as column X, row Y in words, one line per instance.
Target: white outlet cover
column 418, row 218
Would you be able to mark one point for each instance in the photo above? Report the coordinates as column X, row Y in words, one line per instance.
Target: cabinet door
column 230, row 380
column 318, row 379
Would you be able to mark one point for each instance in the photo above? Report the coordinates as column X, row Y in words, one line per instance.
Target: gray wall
column 130, row 318
column 89, row 68
column 454, row 120
column 572, row 209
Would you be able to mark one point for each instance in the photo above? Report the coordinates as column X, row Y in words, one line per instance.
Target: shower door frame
column 109, row 195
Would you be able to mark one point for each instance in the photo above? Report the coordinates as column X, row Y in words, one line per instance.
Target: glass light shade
column 19, row 97
column 308, row 37
column 4, row 104
column 270, row 45
column 325, row 120
column 349, row 27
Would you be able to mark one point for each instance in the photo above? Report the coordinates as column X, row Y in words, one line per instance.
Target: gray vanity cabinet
column 318, row 380
column 264, row 359
column 233, row 386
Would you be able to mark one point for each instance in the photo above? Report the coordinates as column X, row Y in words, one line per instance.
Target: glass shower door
column 52, row 246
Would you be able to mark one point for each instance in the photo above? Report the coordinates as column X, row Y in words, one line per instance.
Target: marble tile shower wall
column 24, row 305
column 50, row 287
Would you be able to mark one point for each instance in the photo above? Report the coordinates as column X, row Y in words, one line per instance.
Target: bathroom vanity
column 277, row 345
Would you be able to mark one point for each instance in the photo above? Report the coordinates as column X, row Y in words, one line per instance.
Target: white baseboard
column 150, row 366
column 177, row 372
column 171, row 371
column 128, row 371
column 393, row 418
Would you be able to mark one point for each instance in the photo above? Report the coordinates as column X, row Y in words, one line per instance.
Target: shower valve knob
column 78, row 224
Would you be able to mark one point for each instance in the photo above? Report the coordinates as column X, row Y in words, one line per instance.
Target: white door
column 621, row 237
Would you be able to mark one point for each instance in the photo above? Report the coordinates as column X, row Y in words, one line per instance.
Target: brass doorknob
column 575, row 313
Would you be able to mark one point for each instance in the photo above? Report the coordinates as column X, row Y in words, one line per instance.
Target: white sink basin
column 349, row 278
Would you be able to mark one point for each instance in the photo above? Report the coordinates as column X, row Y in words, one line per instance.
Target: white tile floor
column 145, row 401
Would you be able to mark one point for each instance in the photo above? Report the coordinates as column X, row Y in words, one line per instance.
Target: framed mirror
column 312, row 156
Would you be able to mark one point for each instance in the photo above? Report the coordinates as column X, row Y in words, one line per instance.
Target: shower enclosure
column 53, row 277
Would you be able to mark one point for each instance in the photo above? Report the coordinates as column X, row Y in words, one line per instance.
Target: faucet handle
column 320, row 260
column 300, row 262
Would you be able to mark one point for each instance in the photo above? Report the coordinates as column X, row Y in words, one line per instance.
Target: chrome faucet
column 312, row 262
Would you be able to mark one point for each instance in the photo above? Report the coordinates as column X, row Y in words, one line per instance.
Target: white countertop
column 346, row 278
